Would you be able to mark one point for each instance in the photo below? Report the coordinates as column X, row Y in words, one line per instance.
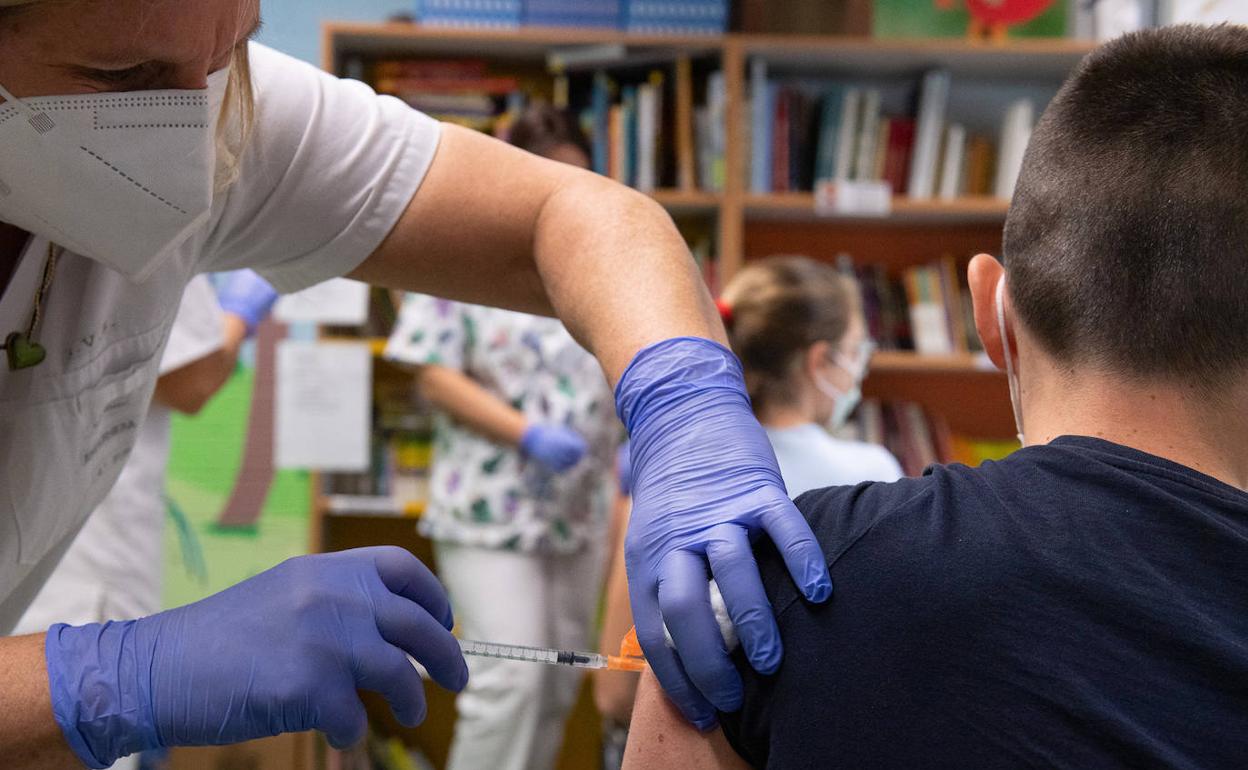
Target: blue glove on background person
column 282, row 652
column 554, row 446
column 245, row 294
column 705, row 483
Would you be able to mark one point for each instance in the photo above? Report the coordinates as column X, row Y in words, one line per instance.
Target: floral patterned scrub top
column 487, row 494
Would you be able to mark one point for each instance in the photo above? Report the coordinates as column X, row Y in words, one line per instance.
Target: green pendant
column 23, row 352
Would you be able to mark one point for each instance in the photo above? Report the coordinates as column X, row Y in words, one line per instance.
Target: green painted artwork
column 924, row 18
column 201, row 557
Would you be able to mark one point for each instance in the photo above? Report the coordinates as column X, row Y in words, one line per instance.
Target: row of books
column 927, row 308
column 671, row 17
column 919, row 438
column 804, row 133
column 461, row 91
column 651, row 135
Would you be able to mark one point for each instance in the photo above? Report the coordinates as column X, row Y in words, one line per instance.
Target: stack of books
column 918, row 438
column 804, row 133
column 591, row 14
column 926, row 309
column 676, row 17
column 461, row 91
column 481, row 14
column 647, row 131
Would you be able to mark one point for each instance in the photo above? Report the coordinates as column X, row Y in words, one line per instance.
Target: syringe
column 625, row 661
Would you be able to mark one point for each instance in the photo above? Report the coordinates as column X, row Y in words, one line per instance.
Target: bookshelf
column 961, row 387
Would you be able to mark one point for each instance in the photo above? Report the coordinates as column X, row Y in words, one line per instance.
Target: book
column 980, row 174
column 829, row 130
column 686, row 173
column 648, row 106
column 1015, row 134
column 881, row 148
column 762, row 110
column 847, row 133
column 868, row 133
column 781, row 139
column 929, row 123
column 952, row 164
column 900, row 145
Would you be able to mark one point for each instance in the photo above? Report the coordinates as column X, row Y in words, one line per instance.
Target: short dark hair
column 1127, row 240
column 542, row 127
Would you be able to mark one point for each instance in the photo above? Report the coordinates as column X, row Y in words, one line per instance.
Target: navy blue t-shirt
column 1080, row 605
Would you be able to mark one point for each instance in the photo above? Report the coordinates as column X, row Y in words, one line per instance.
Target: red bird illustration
column 992, row 18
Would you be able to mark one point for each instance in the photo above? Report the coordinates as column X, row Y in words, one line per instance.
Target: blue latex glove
column 554, row 446
column 282, row 652
column 624, row 470
column 705, row 483
column 245, row 294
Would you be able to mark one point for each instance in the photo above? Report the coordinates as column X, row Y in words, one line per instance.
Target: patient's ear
column 983, row 274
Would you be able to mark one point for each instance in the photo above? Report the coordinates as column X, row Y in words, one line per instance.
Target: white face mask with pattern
column 1011, row 375
column 121, row 178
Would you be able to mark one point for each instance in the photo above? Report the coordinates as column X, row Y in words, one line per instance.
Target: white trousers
column 511, row 715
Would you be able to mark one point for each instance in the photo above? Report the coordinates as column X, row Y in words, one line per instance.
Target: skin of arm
column 615, row 691
column 189, row 388
column 28, row 732
column 540, row 236
column 463, row 398
column 661, row 738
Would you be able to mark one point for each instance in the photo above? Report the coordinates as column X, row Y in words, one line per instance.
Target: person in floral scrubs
column 522, row 480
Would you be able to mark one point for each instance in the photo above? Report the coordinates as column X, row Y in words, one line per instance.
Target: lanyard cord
column 41, row 295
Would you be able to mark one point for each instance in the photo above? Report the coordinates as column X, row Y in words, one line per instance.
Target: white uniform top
column 113, row 569
column 330, row 168
column 811, row 458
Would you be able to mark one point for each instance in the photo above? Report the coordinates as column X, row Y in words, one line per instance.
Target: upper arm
column 476, row 213
column 660, row 737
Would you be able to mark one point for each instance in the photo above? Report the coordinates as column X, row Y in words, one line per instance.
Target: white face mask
column 1016, row 399
column 122, row 178
column 845, row 402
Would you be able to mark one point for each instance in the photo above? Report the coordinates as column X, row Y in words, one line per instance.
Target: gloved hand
column 705, row 483
column 554, row 446
column 245, row 294
column 624, row 470
column 284, row 651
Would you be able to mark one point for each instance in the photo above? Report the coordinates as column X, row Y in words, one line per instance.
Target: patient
column 1083, row 603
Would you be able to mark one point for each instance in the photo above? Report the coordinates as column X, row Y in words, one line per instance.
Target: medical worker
column 145, row 141
column 522, row 479
column 113, row 568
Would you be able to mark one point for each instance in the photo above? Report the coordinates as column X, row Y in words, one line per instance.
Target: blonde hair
column 775, row 309
column 238, row 112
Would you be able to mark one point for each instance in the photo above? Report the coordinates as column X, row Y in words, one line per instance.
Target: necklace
column 20, row 347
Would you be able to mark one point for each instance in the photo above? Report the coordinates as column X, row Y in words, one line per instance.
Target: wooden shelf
column 1024, row 58
column 801, row 206
column 523, row 44
column 688, row 201
column 909, row 362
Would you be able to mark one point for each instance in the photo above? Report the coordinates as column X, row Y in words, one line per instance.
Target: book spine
column 847, row 134
column 760, row 128
column 686, row 175
column 868, row 133
column 930, row 121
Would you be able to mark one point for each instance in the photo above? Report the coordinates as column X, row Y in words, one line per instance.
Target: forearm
column 29, row 735
column 464, row 399
column 188, row 388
